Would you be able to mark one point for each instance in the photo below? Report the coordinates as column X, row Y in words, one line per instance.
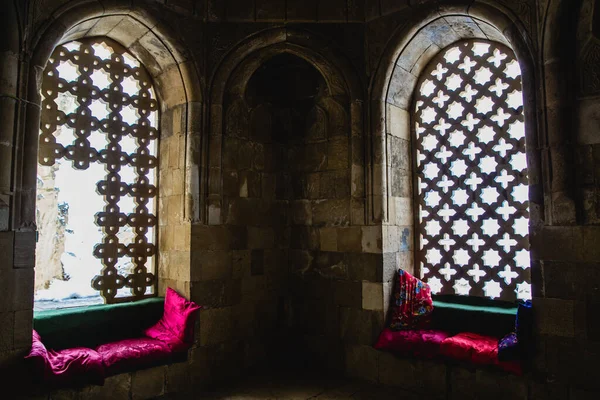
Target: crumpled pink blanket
column 76, row 366
column 419, row 343
column 81, row 366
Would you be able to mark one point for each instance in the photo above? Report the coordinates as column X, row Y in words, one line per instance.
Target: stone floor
column 293, row 387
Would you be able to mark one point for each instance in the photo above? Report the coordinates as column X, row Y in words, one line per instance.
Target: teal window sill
column 93, row 325
column 475, row 308
column 481, row 316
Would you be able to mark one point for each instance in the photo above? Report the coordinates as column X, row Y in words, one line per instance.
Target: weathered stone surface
column 372, row 296
column 331, row 212
column 260, row 238
column 24, row 250
column 560, row 279
column 216, row 293
column 349, row 239
column 304, row 237
column 116, row 387
column 328, row 239
column 360, row 326
column 558, row 243
column 148, row 383
column 219, row 237
column 362, row 362
column 400, row 87
column 257, row 264
column 499, row 385
column 396, row 371
column 301, row 212
column 23, row 321
column 241, row 263
column 331, row 265
column 337, row 153
column 347, row 293
column 462, row 383
column 298, row 10
column 178, row 378
column 215, row 325
column 270, row 10
column 240, row 10
column 7, row 328
column 432, row 378
column 364, row 267
column 211, row 264
column 372, row 239
column 548, row 310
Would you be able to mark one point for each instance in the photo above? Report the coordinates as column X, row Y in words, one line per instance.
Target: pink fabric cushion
column 176, row 327
column 471, row 347
column 129, row 354
column 421, row 343
column 76, row 366
column 476, row 349
column 38, row 356
column 68, row 367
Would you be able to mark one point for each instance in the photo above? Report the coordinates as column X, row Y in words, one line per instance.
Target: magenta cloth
column 130, row 354
column 420, row 343
column 68, row 367
column 478, row 350
column 38, row 356
column 176, row 327
column 411, row 303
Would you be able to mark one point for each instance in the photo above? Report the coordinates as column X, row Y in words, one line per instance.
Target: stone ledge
column 141, row 384
column 434, row 378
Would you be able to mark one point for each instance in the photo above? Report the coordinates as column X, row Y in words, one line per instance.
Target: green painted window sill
column 93, row 325
column 481, row 316
column 476, row 308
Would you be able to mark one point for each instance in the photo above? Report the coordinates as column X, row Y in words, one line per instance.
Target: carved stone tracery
column 472, row 185
column 104, row 96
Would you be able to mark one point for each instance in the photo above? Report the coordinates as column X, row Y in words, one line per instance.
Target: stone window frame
column 392, row 90
column 177, row 86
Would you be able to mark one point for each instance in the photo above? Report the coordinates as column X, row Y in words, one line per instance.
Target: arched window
column 97, row 176
column 471, row 173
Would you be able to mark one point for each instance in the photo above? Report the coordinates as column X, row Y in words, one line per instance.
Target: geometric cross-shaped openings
column 472, row 197
column 99, row 117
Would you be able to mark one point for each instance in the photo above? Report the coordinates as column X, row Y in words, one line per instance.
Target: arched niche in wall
column 279, row 139
column 180, row 100
column 392, row 93
column 237, row 109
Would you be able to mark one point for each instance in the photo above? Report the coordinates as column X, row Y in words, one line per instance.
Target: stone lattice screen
column 99, row 107
column 471, row 180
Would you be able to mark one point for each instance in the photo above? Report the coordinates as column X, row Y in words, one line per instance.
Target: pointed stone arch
column 408, row 52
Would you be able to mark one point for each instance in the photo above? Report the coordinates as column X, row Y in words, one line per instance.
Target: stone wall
column 298, row 237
